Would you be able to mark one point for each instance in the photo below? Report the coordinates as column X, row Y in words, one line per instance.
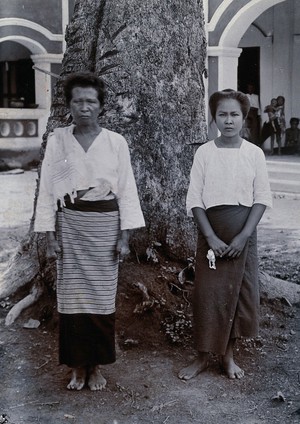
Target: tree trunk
column 151, row 56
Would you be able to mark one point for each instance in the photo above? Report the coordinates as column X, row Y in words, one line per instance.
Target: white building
column 31, row 51
column 258, row 41
column 247, row 40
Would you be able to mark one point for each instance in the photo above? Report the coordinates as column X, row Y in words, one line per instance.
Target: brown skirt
column 226, row 300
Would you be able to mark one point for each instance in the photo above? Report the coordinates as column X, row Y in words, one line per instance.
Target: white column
column 227, row 65
column 43, row 95
column 42, row 62
column 65, row 19
column 222, row 73
column 42, row 81
column 295, row 78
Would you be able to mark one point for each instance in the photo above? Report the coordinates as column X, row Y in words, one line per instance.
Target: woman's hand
column 239, row 241
column 122, row 247
column 217, row 245
column 53, row 249
column 236, row 246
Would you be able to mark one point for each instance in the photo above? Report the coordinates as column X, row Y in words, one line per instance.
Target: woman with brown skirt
column 227, row 196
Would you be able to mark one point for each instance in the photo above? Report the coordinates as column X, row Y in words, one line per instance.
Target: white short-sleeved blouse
column 228, row 176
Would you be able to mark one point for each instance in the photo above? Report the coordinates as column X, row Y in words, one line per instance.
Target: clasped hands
column 231, row 250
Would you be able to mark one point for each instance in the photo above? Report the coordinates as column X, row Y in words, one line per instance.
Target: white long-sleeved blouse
column 67, row 168
column 228, row 176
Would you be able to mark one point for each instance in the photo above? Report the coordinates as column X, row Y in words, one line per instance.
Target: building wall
column 32, row 30
column 45, row 13
column 276, row 32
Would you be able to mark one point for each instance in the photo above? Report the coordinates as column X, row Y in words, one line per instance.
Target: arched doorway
column 17, row 82
column 225, row 49
column 225, row 29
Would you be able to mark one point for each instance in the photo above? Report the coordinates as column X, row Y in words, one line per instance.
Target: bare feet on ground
column 96, row 380
column 232, row 369
column 78, row 379
column 192, row 370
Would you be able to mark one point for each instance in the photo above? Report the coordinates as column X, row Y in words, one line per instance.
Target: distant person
column 87, row 204
column 280, row 113
column 252, row 124
column 227, row 196
column 292, row 136
column 272, row 130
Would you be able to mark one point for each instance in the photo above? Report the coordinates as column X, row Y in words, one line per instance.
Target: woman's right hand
column 53, row 249
column 217, row 245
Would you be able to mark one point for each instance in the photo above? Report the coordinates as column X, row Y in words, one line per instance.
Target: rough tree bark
column 151, row 56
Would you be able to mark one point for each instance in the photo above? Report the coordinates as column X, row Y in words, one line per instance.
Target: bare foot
column 78, row 379
column 192, row 370
column 96, row 380
column 232, row 369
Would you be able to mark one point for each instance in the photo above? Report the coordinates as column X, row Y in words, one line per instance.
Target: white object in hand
column 211, row 259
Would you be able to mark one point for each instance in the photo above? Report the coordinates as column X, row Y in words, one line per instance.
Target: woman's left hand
column 238, row 243
column 122, row 247
column 235, row 247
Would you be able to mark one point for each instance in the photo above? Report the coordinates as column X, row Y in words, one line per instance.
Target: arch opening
column 17, row 77
column 242, row 19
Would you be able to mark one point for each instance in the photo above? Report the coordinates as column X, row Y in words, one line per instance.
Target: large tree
column 151, row 56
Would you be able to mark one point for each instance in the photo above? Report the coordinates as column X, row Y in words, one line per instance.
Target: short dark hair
column 294, row 120
column 228, row 93
column 83, row 79
column 282, row 98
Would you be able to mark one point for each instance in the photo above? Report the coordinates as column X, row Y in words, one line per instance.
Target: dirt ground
column 153, row 345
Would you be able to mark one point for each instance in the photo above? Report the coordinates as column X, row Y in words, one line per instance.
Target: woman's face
column 229, row 117
column 84, row 105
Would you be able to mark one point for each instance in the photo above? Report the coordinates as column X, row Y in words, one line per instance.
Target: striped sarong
column 87, row 275
column 87, row 272
column 225, row 300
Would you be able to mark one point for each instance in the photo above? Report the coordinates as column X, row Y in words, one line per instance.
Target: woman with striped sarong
column 227, row 196
column 87, row 204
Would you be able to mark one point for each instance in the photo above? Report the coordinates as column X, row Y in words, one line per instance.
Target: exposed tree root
column 275, row 288
column 23, row 267
column 35, row 293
